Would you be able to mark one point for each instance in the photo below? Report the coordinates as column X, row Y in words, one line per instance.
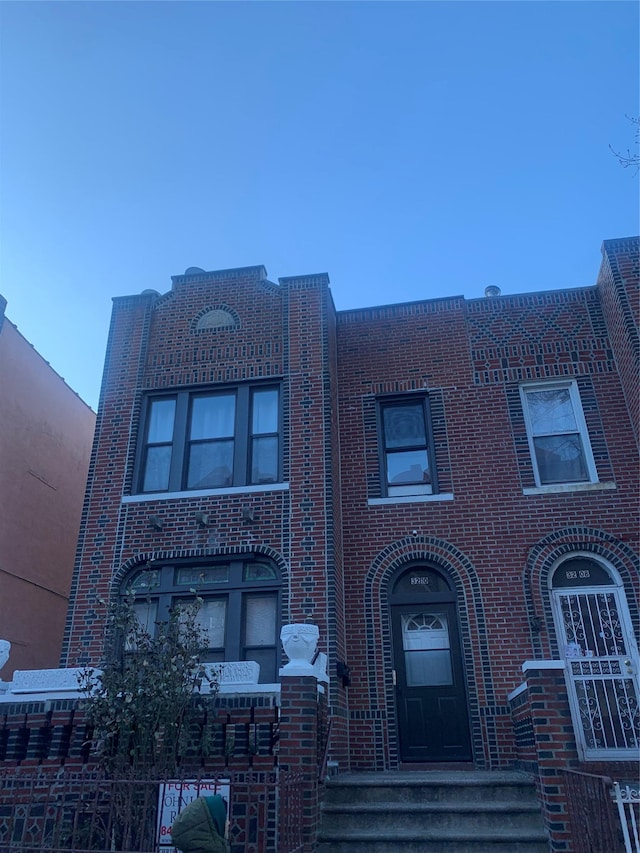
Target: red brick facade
column 472, row 547
column 336, row 538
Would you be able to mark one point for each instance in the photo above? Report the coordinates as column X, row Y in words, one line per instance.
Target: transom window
column 240, row 614
column 406, row 447
column 581, row 571
column 558, row 438
column 209, row 440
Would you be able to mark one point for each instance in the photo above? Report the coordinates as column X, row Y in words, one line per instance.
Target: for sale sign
column 174, row 796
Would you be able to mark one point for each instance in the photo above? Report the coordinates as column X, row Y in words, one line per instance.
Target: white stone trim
column 203, row 493
column 514, row 693
column 411, row 499
column 561, row 488
column 543, row 664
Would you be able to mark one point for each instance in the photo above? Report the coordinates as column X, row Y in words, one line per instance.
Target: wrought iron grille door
column 602, row 671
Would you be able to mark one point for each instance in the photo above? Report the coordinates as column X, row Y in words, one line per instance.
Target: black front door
column 429, row 679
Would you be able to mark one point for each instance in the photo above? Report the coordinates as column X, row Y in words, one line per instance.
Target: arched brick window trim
column 141, row 559
column 540, row 563
column 233, row 323
column 473, row 635
column 228, row 597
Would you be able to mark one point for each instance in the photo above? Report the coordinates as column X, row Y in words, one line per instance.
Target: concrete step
column 428, row 811
column 470, row 817
column 436, row 786
column 439, row 843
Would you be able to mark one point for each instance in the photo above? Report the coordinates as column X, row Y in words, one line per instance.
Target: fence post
column 554, row 744
column 298, row 753
column 300, row 697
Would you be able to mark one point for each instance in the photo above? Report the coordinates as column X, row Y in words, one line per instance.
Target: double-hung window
column 558, row 438
column 406, row 447
column 209, row 440
column 240, row 611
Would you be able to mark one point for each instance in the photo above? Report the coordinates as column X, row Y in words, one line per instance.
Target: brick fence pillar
column 554, row 744
column 300, row 717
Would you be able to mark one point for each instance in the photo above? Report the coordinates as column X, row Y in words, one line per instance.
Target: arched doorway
column 596, row 639
column 431, row 701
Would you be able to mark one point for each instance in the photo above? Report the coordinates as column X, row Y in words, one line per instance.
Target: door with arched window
column 431, row 701
column 596, row 640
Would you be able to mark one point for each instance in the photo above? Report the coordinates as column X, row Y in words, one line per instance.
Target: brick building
column 447, row 488
column 45, row 443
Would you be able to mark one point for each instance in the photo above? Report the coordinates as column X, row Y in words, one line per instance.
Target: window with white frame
column 240, row 611
column 406, row 447
column 558, row 438
column 211, row 439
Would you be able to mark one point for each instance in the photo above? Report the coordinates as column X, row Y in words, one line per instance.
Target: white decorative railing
column 628, row 801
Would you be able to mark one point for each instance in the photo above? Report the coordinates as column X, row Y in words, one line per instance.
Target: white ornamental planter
column 300, row 642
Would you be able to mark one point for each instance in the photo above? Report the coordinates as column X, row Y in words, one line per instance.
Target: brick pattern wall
column 245, row 739
column 237, row 734
column 538, row 336
column 282, row 332
column 546, row 746
column 619, row 289
column 337, row 547
column 470, row 358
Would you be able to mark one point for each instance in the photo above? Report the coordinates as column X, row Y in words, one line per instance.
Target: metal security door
column 602, row 672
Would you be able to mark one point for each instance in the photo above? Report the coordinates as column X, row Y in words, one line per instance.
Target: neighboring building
column 46, row 432
column 447, row 488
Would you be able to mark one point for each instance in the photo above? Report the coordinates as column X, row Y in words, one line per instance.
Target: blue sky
column 411, row 150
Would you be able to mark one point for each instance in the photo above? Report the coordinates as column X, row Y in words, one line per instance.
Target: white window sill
column 561, row 488
column 411, row 499
column 205, row 493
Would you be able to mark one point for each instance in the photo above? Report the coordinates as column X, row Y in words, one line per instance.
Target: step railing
column 592, row 815
column 604, row 814
column 628, row 802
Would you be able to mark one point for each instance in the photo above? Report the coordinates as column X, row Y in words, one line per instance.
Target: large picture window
column 558, row 438
column 210, row 440
column 406, row 447
column 240, row 613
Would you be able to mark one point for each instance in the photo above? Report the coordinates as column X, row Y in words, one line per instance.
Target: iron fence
column 595, row 827
column 627, row 799
column 62, row 811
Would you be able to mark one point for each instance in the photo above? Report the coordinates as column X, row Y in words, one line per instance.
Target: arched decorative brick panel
column 471, row 617
column 543, row 557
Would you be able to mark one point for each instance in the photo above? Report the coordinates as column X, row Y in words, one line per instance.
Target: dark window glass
column 144, row 581
column 198, row 575
column 210, row 465
column 404, row 426
column 239, row 613
column 405, row 437
column 557, row 435
column 264, row 436
column 211, row 441
column 161, row 420
column 259, row 572
column 580, row 571
column 159, row 444
column 260, row 640
column 419, row 581
column 560, row 459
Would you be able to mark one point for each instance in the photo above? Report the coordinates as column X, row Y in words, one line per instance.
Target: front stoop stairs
column 432, row 812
